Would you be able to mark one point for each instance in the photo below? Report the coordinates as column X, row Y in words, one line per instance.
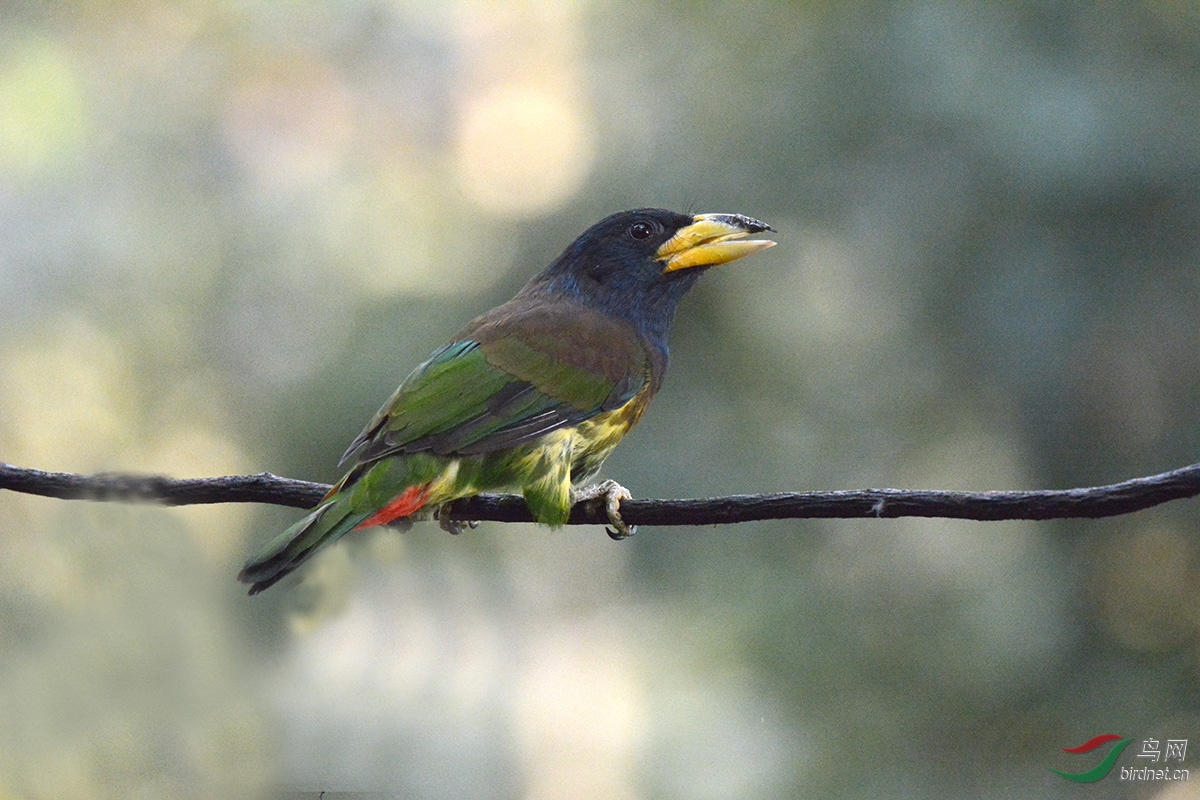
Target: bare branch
column 261, row 488
column 1097, row 501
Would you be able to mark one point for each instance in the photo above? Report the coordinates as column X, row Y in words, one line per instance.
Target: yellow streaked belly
column 544, row 471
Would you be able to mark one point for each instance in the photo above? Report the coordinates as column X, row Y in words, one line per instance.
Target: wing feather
column 507, row 382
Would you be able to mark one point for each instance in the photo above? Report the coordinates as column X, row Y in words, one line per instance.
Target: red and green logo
column 1104, row 767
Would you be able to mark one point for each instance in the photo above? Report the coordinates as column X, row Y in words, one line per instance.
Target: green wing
column 472, row 397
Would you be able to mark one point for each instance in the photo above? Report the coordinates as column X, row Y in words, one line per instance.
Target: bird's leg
column 613, row 493
column 454, row 526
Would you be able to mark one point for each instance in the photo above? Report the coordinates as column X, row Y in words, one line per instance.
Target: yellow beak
column 712, row 239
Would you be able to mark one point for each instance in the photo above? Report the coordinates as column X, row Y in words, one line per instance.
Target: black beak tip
column 750, row 225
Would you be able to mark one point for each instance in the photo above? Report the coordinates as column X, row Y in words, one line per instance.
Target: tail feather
column 326, row 523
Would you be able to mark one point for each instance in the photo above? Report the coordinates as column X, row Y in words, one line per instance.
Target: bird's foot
column 454, row 526
column 613, row 493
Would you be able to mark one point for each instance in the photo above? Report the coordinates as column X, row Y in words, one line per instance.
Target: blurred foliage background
column 228, row 229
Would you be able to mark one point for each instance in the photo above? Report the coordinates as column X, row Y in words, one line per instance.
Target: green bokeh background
column 228, row 229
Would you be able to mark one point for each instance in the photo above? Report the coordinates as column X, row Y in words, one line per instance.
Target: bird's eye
column 640, row 230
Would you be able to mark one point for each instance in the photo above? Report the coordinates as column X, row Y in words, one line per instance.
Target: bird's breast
column 595, row 438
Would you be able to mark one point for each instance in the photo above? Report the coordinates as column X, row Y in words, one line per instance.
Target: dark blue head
column 637, row 265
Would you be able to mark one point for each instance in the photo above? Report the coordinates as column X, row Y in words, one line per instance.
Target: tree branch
column 1097, row 501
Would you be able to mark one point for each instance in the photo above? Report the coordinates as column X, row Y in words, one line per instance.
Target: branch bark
column 1092, row 502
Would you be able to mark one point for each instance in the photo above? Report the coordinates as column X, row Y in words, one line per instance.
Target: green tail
column 326, row 523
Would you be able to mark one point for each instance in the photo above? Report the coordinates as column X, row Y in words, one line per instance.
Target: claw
column 454, row 526
column 613, row 493
column 625, row 532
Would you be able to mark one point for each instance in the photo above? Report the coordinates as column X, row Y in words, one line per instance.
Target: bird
column 532, row 395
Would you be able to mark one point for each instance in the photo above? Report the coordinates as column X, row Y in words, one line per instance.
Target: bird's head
column 637, row 265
